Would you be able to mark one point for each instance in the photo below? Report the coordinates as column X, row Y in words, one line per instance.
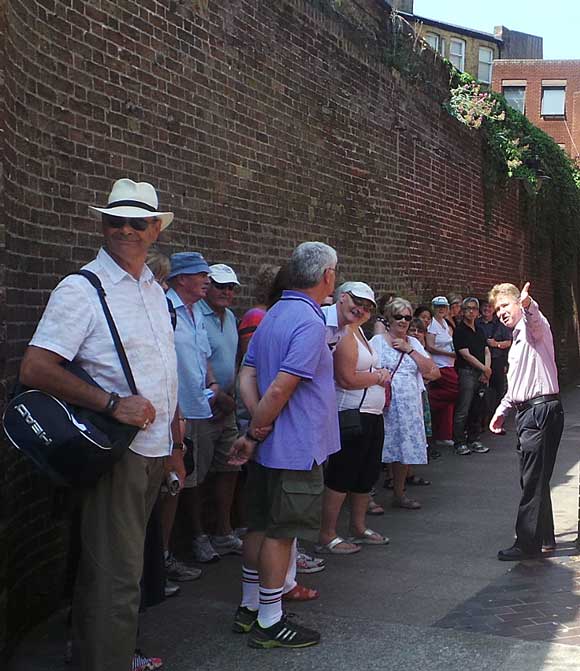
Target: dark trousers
column 539, row 429
column 497, row 386
column 468, row 407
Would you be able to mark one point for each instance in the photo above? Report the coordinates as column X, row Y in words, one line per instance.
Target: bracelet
column 179, row 446
column 410, row 351
column 211, row 384
column 112, row 403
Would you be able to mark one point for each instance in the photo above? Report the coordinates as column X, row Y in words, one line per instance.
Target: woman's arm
column 430, row 346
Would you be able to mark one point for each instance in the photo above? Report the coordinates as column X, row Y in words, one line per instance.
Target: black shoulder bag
column 72, row 445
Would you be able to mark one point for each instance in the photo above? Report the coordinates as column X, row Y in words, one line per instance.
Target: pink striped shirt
column 532, row 366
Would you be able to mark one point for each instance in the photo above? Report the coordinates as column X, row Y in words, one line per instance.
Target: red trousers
column 442, row 396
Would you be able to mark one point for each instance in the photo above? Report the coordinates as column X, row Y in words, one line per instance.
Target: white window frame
column 485, row 64
column 457, row 56
column 553, row 87
column 515, row 86
column 433, row 40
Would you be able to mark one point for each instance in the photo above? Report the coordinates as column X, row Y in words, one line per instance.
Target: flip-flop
column 406, row 502
column 375, row 509
column 369, row 537
column 301, row 593
column 333, row 548
column 416, row 481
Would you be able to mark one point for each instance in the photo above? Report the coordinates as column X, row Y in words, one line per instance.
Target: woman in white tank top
column 354, row 470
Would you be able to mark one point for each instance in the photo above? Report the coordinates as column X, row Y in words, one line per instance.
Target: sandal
column 369, row 537
column 406, row 502
column 301, row 593
column 333, row 547
column 375, row 509
column 416, row 481
column 388, row 483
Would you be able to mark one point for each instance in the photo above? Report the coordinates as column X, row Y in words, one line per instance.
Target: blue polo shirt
column 292, row 339
column 193, row 350
column 223, row 340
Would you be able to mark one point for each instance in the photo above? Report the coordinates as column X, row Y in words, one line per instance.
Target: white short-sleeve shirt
column 443, row 340
column 74, row 327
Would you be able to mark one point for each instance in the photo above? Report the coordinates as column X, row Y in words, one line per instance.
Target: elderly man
column 533, row 392
column 222, row 331
column 287, row 384
column 474, row 370
column 73, row 328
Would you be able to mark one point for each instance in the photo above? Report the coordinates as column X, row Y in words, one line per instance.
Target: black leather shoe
column 516, row 553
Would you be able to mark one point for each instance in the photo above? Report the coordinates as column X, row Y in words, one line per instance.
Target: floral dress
column 404, row 426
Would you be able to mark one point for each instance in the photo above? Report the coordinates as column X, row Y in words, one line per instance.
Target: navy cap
column 187, row 263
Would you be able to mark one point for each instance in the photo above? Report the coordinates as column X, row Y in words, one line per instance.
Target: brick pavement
column 536, row 600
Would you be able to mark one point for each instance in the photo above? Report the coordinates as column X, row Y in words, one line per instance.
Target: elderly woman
column 405, row 442
column 442, row 393
column 354, row 470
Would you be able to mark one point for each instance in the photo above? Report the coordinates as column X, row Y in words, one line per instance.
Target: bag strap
column 398, row 364
column 96, row 282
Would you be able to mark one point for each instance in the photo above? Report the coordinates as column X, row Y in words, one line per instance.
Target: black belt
column 538, row 400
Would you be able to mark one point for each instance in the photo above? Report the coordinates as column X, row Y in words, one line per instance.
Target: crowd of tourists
column 320, row 393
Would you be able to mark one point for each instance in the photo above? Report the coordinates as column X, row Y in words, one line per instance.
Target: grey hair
column 469, row 300
column 395, row 306
column 308, row 262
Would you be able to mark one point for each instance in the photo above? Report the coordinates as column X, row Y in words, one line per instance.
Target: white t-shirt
column 443, row 340
column 74, row 327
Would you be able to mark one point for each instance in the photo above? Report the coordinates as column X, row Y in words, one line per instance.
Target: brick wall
column 565, row 131
column 262, row 124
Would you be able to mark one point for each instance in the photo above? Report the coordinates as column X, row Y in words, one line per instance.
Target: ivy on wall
column 515, row 149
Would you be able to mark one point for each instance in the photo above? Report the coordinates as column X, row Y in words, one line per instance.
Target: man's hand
column 486, row 372
column 496, row 424
column 262, row 433
column 174, row 462
column 241, row 451
column 525, row 298
column 492, row 343
column 136, row 411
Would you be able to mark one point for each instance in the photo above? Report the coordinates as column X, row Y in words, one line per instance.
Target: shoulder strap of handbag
column 370, row 370
column 96, row 282
column 398, row 364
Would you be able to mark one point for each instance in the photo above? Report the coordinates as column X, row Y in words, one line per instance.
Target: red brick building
column 548, row 93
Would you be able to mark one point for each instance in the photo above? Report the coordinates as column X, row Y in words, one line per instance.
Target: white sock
column 270, row 610
column 250, row 588
column 290, row 580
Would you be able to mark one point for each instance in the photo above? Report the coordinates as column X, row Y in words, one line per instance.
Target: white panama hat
column 134, row 200
column 360, row 290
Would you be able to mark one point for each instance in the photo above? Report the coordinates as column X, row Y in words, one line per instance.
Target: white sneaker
column 179, row 572
column 307, row 564
column 227, row 545
column 444, row 443
column 203, row 550
column 171, row 589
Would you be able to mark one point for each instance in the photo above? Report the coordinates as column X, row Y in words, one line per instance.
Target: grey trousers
column 114, row 519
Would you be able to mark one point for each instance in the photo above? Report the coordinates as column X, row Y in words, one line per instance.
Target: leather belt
column 537, row 400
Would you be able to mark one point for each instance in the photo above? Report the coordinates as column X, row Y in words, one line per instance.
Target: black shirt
column 497, row 331
column 472, row 340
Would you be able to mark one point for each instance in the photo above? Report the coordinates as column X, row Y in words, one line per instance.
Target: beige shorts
column 212, row 441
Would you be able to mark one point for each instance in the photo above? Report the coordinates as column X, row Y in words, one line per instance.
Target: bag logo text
column 23, row 411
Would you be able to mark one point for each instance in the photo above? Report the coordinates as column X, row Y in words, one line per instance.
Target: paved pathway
column 435, row 598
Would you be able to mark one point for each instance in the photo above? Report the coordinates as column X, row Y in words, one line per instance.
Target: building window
column 457, row 54
column 436, row 42
column 515, row 97
column 485, row 63
column 553, row 100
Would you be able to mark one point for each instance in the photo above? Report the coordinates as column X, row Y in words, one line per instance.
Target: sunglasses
column 361, row 302
column 399, row 318
column 229, row 286
column 137, row 224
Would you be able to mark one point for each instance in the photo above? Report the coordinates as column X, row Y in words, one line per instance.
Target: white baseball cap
column 222, row 274
column 440, row 301
column 360, row 290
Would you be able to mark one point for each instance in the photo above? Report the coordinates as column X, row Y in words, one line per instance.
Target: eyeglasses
column 361, row 302
column 399, row 318
column 228, row 286
column 137, row 224
column 334, row 270
column 470, row 308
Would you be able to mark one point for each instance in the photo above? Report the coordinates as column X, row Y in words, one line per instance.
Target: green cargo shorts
column 282, row 503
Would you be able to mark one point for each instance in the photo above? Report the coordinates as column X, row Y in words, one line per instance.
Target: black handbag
column 349, row 422
column 72, row 445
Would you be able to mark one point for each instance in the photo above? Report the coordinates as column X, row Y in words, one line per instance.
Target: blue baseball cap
column 187, row 263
